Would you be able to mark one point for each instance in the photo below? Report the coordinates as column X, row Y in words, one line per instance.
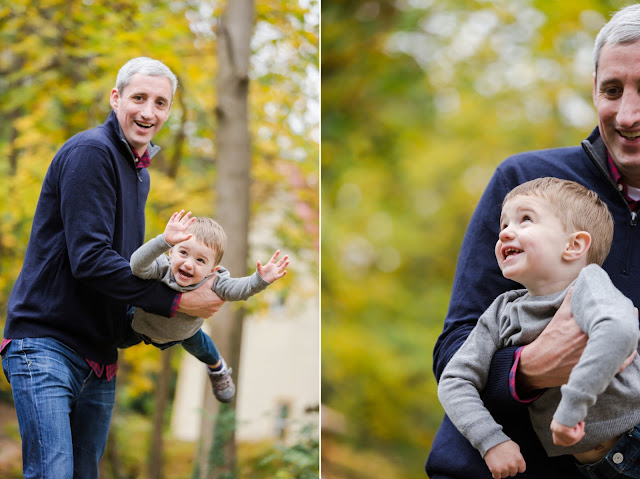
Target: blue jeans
column 202, row 347
column 623, row 460
column 64, row 410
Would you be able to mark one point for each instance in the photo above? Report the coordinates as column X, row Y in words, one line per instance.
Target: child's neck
column 557, row 284
column 548, row 288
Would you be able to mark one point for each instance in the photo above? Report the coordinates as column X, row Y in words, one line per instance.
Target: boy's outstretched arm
column 240, row 289
column 272, row 270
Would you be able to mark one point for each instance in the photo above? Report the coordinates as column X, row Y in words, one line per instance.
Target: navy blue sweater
column 76, row 281
column 478, row 281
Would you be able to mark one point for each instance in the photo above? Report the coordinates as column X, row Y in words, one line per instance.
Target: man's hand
column 176, row 230
column 202, row 302
column 272, row 270
column 550, row 358
column 565, row 435
column 505, row 460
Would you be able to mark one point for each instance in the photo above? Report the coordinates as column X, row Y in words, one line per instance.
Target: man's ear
column 577, row 247
column 114, row 99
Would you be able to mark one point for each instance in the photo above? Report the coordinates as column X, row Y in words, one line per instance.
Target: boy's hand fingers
column 186, row 217
column 274, row 257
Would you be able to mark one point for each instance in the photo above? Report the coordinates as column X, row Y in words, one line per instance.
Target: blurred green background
column 58, row 64
column 421, row 99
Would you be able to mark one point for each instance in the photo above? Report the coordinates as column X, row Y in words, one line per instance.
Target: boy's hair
column 577, row 207
column 211, row 234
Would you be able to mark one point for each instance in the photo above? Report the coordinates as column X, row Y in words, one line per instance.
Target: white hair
column 144, row 66
column 622, row 29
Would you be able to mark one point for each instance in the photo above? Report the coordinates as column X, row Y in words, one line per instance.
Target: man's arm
column 549, row 359
column 88, row 210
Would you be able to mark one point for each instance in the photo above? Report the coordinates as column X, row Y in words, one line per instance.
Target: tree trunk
column 156, row 455
column 232, row 212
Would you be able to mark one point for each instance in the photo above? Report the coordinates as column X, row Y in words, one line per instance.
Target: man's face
column 142, row 108
column 616, row 96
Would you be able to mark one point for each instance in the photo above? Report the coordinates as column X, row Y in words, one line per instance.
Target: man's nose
column 147, row 110
column 629, row 109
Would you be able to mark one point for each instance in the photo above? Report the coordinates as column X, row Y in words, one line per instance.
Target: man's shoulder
column 568, row 163
column 96, row 143
column 97, row 137
column 551, row 158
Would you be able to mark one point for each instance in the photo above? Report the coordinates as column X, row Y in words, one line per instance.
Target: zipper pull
column 140, row 180
column 634, row 218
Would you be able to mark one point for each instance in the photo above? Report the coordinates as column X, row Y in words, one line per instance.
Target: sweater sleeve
column 466, row 375
column 237, row 289
column 149, row 261
column 609, row 319
column 88, row 210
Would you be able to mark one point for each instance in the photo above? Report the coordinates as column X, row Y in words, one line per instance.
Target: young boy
column 195, row 246
column 554, row 235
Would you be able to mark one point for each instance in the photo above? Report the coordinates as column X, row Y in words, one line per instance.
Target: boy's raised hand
column 176, row 230
column 272, row 270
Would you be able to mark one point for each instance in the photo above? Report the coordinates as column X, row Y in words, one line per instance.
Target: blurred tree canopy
column 58, row 64
column 421, row 100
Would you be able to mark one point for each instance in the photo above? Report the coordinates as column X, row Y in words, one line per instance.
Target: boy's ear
column 577, row 246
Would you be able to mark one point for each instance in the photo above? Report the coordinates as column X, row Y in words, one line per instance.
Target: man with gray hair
column 68, row 308
column 608, row 162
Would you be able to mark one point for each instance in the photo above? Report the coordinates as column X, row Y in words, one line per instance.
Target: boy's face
column 531, row 242
column 192, row 261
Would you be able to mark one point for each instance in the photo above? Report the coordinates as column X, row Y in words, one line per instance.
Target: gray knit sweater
column 150, row 262
column 516, row 318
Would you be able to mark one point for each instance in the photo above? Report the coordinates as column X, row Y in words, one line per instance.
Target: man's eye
column 612, row 92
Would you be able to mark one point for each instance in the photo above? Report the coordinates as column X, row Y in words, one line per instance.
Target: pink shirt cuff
column 512, row 380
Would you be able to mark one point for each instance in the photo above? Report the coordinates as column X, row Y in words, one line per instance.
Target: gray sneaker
column 222, row 383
